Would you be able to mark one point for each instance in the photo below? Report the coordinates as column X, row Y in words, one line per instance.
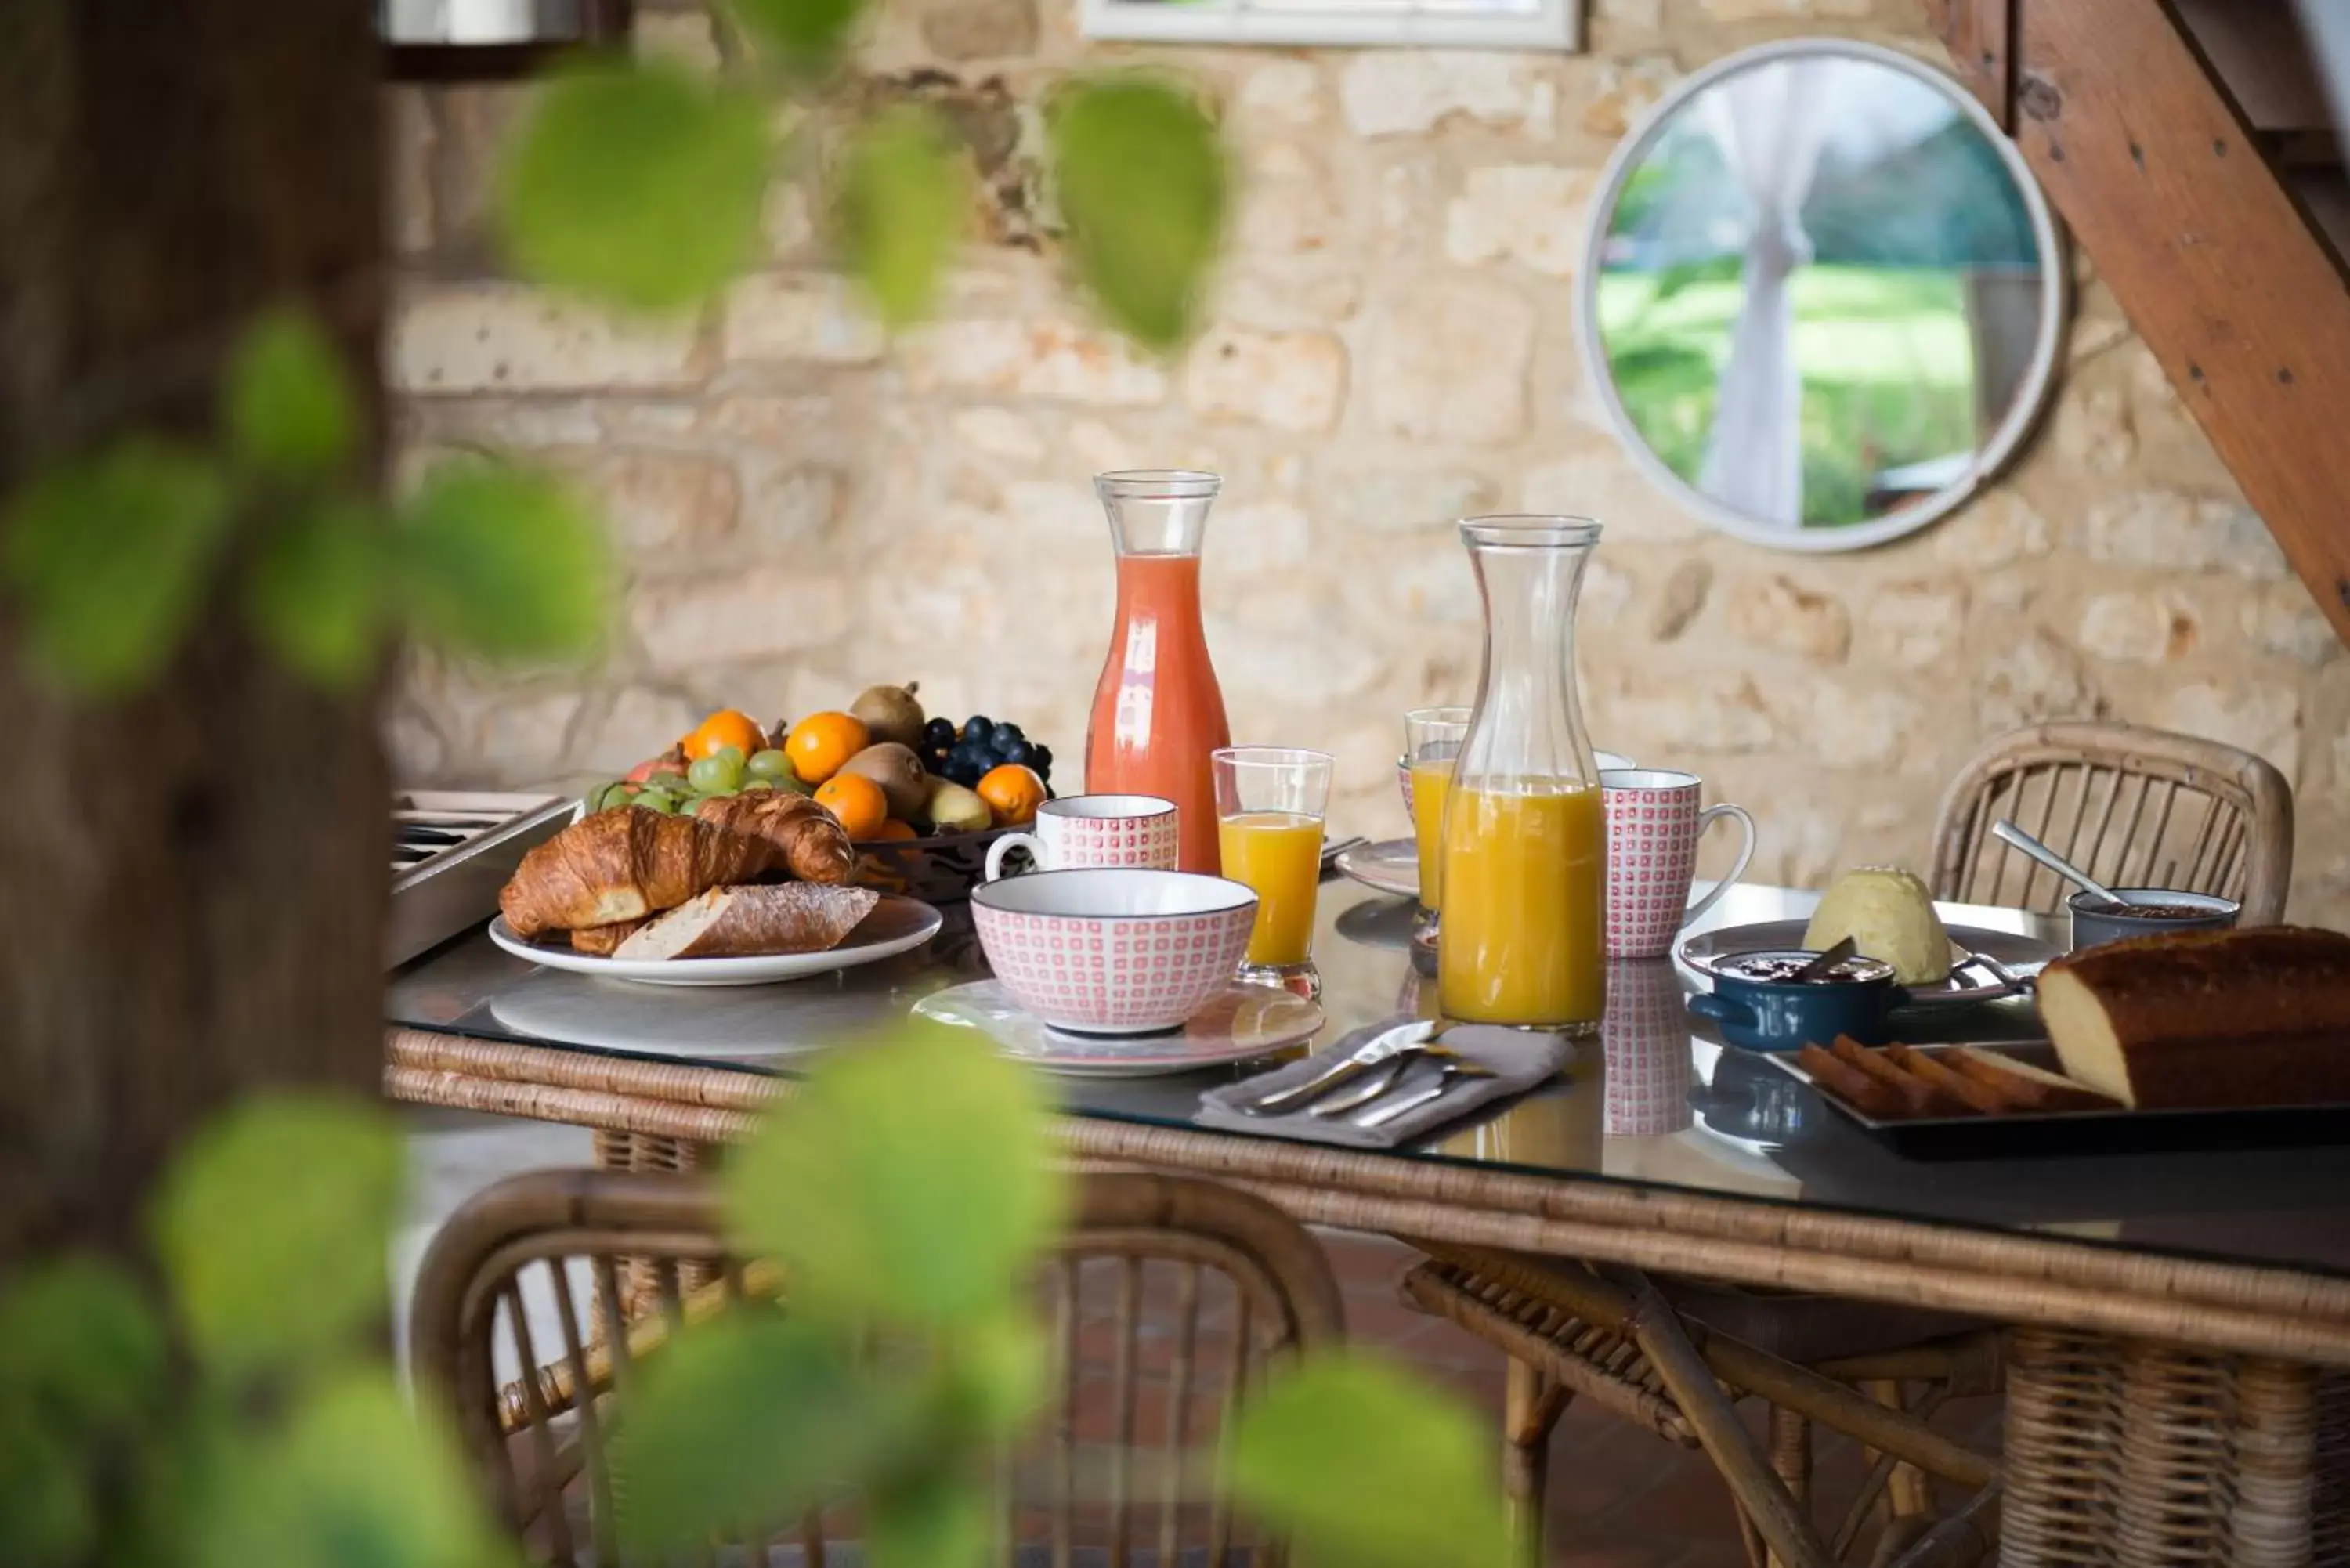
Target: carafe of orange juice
column 1525, row 837
column 1159, row 714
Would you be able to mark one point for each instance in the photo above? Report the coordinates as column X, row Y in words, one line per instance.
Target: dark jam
column 2150, row 911
column 1780, row 968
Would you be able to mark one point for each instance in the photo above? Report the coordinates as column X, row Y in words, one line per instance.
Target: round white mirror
column 1822, row 296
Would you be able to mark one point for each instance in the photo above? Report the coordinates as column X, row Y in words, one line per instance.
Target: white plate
column 896, row 925
column 2022, row 956
column 1240, row 1024
column 1391, row 866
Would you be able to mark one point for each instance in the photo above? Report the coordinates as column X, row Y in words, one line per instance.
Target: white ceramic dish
column 896, row 925
column 2019, row 955
column 1113, row 952
column 1391, row 865
column 1239, row 1023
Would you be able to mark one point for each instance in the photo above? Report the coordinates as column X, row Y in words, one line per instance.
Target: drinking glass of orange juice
column 1524, row 840
column 1431, row 740
column 1270, row 802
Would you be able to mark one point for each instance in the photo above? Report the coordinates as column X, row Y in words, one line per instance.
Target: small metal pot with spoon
column 2102, row 913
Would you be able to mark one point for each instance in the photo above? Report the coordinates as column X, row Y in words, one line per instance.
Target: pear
column 899, row 773
column 891, row 713
column 955, row 809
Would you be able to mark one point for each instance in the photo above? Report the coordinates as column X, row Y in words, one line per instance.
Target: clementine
column 857, row 802
column 894, row 829
column 821, row 744
column 1013, row 793
column 727, row 727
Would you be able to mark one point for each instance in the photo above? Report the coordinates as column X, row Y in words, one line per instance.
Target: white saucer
column 1240, row 1024
column 896, row 925
column 1391, row 866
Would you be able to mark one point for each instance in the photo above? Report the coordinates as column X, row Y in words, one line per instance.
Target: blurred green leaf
column 504, row 562
column 286, row 401
column 46, row 1515
column 1366, row 1465
column 272, row 1228
column 111, row 555
column 900, row 204
column 1141, row 176
column 80, row 1344
column 352, row 1478
column 805, row 36
column 314, row 591
column 938, row 1519
column 641, row 186
column 1004, row 1367
column 748, row 1418
column 910, row 1180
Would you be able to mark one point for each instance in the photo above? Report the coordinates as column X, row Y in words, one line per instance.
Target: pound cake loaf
column 2258, row 1017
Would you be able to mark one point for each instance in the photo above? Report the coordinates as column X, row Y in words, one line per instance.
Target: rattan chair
column 2132, row 807
column 1170, row 1298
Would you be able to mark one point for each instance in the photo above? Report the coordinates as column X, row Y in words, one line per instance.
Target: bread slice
column 2023, row 1086
column 1976, row 1097
column 2204, row 1019
column 603, row 941
column 753, row 922
column 1919, row 1097
column 1850, row 1085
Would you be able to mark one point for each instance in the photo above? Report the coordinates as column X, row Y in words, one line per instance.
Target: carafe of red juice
column 1157, row 711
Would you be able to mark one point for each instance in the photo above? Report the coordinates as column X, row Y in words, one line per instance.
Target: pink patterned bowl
column 1113, row 952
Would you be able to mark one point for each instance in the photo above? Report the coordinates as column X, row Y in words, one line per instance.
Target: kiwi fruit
column 891, row 713
column 899, row 773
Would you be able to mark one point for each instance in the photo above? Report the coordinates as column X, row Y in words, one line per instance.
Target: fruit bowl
column 941, row 869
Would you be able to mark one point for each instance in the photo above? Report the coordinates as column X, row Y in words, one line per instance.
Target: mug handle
column 1706, row 819
column 1010, row 841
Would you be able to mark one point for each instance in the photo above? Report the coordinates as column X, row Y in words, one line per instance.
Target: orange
column 725, row 728
column 1013, row 793
column 857, row 801
column 894, row 829
column 821, row 744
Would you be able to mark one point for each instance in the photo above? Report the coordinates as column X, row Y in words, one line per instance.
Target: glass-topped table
column 1661, row 1148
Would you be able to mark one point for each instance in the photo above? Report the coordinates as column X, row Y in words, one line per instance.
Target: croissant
column 624, row 865
column 807, row 839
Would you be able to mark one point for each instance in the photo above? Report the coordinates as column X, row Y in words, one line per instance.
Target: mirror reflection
column 1819, row 289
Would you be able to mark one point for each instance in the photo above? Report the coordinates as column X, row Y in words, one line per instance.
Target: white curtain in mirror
column 1770, row 124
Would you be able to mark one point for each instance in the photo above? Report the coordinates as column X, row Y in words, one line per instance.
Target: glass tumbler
column 1431, row 740
column 1270, row 803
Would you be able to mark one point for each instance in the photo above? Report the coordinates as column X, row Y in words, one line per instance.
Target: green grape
column 657, row 800
column 721, row 792
column 751, row 784
column 721, row 769
column 770, row 764
column 604, row 797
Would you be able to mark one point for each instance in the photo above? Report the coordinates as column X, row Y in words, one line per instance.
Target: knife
column 1361, row 1059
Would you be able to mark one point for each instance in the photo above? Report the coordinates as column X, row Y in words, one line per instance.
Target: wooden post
column 191, row 880
column 2240, row 298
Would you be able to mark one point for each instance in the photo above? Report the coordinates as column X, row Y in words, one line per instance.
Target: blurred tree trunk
column 191, row 881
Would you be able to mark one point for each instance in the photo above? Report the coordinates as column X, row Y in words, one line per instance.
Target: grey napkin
column 1520, row 1059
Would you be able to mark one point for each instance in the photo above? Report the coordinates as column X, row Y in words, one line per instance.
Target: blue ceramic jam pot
column 1756, row 1007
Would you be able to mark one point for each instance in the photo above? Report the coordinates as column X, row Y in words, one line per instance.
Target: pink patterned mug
column 1135, row 831
column 1654, row 822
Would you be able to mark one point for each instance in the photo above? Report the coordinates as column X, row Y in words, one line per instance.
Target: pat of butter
column 1888, row 914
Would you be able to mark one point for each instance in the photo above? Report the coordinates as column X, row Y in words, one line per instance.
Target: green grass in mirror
column 1885, row 355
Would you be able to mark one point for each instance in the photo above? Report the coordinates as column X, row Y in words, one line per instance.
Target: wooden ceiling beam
column 2242, row 299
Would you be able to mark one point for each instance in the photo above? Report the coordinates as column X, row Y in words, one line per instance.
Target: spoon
column 2007, row 833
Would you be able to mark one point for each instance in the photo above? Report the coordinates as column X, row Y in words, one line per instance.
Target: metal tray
column 2025, row 1134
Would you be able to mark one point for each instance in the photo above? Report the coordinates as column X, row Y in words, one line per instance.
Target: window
column 1457, row 23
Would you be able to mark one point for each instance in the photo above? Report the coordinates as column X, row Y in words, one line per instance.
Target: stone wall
column 808, row 508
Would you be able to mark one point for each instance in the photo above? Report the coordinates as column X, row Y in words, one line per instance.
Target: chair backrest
column 1168, row 1298
column 2132, row 807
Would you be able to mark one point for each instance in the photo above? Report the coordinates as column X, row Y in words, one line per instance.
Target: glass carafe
column 1158, row 714
column 1525, row 838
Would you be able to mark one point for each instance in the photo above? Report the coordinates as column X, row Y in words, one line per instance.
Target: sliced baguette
column 754, row 921
column 1978, row 1097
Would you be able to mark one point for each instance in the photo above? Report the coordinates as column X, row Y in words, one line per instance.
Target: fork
column 1383, row 1082
column 1452, row 1073
column 1362, row 1059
